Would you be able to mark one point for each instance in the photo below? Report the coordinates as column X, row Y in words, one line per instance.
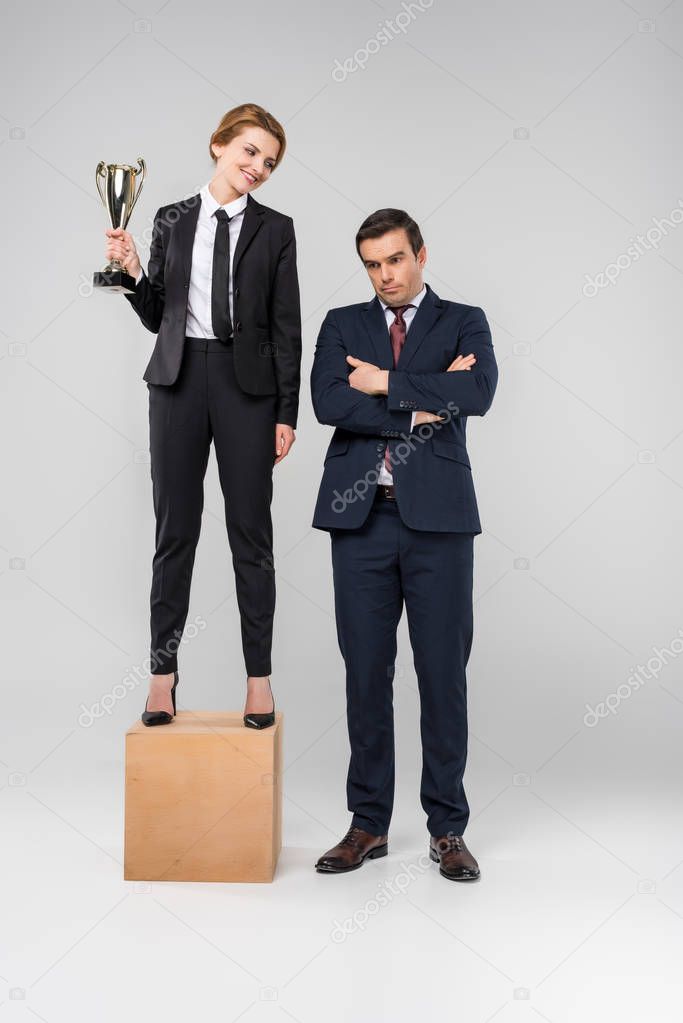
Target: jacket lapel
column 374, row 319
column 251, row 223
column 428, row 312
column 184, row 233
column 187, row 225
column 376, row 326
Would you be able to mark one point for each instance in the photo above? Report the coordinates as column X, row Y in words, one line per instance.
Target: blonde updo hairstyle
column 236, row 120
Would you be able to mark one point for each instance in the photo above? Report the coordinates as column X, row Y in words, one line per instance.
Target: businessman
column 398, row 377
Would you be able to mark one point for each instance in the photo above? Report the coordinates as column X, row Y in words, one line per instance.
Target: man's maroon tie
column 397, row 333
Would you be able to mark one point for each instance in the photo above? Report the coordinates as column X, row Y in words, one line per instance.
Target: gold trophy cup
column 116, row 183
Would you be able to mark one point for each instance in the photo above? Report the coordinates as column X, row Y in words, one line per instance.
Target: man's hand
column 426, row 417
column 461, row 362
column 367, row 377
column 284, row 438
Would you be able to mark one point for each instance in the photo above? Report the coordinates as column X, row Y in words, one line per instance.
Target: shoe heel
column 173, row 687
column 160, row 717
column 381, row 850
column 261, row 720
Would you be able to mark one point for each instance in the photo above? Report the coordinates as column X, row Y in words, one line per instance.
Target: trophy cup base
column 114, row 281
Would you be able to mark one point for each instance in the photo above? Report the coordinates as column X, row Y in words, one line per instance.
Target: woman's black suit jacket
column 266, row 315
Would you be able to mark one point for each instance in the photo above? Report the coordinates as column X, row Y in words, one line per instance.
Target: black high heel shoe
column 261, row 720
column 160, row 717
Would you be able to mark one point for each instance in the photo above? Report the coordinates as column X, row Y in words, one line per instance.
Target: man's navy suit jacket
column 430, row 466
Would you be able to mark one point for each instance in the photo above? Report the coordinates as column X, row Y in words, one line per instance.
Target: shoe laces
column 449, row 843
column 351, row 836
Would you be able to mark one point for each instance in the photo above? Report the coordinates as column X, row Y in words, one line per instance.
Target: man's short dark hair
column 382, row 221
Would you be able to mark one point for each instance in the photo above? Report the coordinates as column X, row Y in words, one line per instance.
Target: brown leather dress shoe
column 355, row 847
column 455, row 860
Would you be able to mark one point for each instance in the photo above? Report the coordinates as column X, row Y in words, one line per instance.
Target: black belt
column 208, row 344
column 385, row 492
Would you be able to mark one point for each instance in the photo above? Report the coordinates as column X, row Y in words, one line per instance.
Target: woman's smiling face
column 247, row 160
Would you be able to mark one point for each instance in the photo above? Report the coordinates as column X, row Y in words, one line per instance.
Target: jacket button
column 238, row 328
column 380, row 447
column 237, row 292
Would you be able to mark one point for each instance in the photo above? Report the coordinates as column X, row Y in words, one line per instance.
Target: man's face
column 393, row 268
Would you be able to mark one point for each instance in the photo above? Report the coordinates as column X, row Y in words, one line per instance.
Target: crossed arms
column 380, row 402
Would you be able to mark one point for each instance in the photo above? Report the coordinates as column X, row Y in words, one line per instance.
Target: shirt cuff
column 412, row 421
column 139, row 276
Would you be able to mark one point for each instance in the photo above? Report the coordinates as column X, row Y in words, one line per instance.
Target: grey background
column 532, row 142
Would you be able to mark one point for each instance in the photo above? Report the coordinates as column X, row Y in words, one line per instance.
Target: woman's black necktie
column 220, row 306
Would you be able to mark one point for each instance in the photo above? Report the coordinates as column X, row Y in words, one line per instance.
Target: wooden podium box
column 203, row 799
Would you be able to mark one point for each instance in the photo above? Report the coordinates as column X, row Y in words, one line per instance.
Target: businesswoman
column 222, row 294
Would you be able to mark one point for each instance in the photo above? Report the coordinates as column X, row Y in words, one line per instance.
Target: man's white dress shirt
column 384, row 476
